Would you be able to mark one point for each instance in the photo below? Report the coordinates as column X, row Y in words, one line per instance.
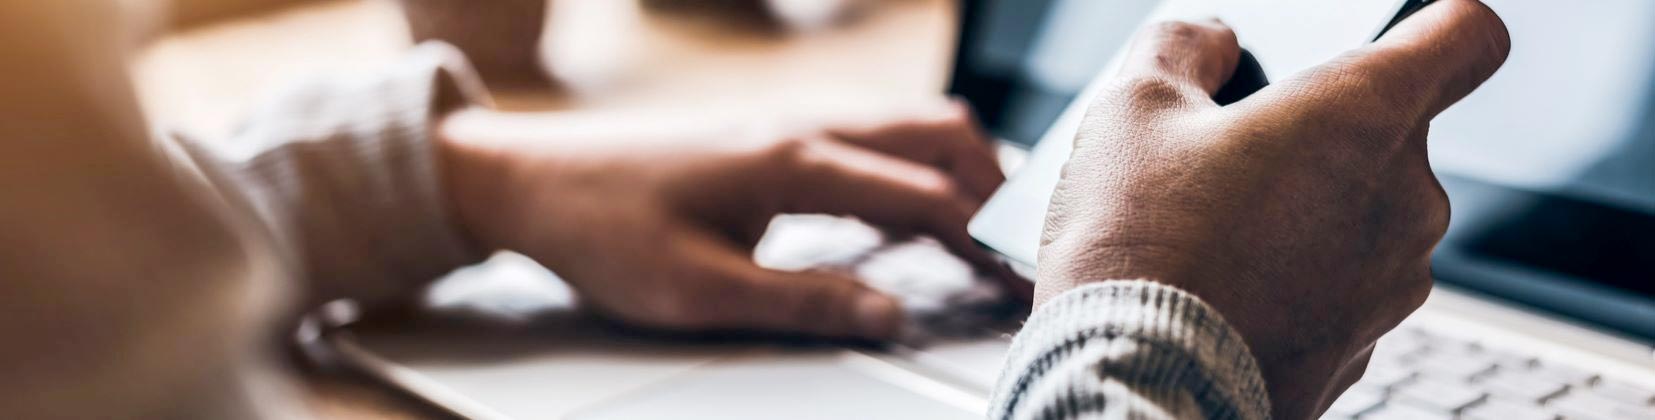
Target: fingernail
column 877, row 316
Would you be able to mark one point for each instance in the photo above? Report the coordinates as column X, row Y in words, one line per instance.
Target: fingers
column 1426, row 63
column 1193, row 59
column 714, row 285
column 947, row 138
column 898, row 196
column 812, row 303
column 894, row 194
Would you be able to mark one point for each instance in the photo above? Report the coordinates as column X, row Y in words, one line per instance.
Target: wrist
column 1300, row 385
column 476, row 181
column 1297, row 370
column 1174, row 324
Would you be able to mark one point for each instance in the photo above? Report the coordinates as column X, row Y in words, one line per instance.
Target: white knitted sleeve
column 343, row 173
column 1129, row 350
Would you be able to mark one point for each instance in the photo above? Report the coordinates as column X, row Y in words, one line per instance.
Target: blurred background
column 604, row 54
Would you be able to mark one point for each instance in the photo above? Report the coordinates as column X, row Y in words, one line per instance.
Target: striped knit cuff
column 343, row 170
column 1134, row 347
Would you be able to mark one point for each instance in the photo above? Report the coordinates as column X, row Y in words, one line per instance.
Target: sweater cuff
column 1130, row 343
column 343, row 171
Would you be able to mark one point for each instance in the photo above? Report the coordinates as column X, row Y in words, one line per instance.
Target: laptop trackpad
column 835, row 384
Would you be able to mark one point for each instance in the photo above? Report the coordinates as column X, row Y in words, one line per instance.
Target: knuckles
column 796, row 155
column 1185, row 32
column 937, row 187
column 793, row 150
column 1127, row 96
column 1177, row 30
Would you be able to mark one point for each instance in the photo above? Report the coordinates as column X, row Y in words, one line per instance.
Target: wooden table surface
column 619, row 55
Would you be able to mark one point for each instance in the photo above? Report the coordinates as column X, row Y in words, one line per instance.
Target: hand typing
column 653, row 220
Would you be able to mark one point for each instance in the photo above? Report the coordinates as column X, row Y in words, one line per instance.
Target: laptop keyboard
column 1415, row 374
column 1422, row 375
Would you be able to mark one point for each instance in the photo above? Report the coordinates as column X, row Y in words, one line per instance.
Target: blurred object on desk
column 775, row 15
column 501, row 37
column 204, row 79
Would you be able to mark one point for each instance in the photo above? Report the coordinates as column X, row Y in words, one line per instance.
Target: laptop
column 1488, row 343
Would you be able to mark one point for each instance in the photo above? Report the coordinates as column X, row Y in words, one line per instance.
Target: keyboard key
column 1520, row 387
column 1430, row 375
column 1463, row 349
column 1411, row 333
column 1445, row 343
column 1454, row 367
column 1565, row 374
column 1583, row 406
column 1624, row 392
column 1354, row 403
column 1509, row 360
column 1445, row 398
column 1384, row 380
column 1393, row 348
column 1504, row 409
column 1405, row 412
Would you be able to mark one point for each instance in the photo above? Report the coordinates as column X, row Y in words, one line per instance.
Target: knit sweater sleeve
column 343, row 174
column 1129, row 350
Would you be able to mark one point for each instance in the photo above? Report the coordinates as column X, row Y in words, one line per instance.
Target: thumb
column 1425, row 64
column 1454, row 45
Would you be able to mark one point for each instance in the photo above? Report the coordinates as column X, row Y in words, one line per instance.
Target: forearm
column 1129, row 349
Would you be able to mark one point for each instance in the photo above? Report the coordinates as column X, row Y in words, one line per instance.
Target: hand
column 653, row 220
column 1305, row 214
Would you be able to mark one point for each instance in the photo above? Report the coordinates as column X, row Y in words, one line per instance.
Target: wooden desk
column 204, row 79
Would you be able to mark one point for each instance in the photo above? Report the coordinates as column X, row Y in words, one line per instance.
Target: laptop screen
column 1550, row 166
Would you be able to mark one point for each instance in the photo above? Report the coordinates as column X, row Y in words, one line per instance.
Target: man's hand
column 653, row 220
column 1305, row 214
